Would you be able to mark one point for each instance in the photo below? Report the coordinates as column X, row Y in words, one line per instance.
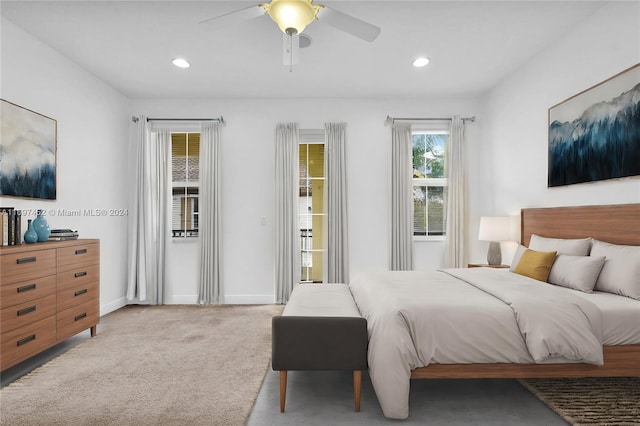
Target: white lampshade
column 495, row 228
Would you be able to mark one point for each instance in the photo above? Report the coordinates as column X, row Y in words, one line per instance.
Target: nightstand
column 485, row 265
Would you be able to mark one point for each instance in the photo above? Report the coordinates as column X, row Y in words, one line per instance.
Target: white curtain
column 210, row 289
column 287, row 227
column 456, row 246
column 149, row 213
column 401, row 198
column 337, row 235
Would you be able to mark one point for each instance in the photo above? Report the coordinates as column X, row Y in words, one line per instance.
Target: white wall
column 248, row 174
column 92, row 121
column 513, row 170
column 507, row 153
column 93, row 134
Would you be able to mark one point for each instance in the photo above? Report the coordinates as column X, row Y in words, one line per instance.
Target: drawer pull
column 26, row 340
column 79, row 292
column 80, row 274
column 79, row 317
column 81, row 251
column 26, row 288
column 26, row 260
column 25, row 311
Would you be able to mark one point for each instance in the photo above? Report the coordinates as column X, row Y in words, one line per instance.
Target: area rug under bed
column 590, row 401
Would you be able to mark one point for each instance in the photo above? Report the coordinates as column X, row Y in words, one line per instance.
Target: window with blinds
column 185, row 180
column 429, row 183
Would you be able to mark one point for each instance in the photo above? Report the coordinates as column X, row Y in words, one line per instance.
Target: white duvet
column 458, row 316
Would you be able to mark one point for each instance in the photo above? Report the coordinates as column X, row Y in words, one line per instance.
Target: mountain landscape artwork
column 595, row 135
column 27, row 153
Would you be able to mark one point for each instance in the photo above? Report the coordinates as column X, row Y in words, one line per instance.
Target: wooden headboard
column 616, row 223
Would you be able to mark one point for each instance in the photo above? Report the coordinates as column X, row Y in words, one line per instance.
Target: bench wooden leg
column 357, row 388
column 283, row 390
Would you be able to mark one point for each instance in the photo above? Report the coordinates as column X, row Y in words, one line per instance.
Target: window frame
column 430, row 182
column 435, row 127
column 316, row 137
column 186, row 185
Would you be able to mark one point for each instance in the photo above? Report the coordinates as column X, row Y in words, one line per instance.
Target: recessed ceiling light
column 181, row 63
column 421, row 62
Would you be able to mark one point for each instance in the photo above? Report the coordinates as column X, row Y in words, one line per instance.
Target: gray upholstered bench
column 320, row 329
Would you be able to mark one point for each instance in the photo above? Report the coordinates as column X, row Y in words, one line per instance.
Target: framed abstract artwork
column 595, row 135
column 27, row 153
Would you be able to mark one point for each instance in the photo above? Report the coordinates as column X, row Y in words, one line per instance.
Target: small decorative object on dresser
column 41, row 227
column 30, row 236
column 49, row 292
column 63, row 235
column 11, row 220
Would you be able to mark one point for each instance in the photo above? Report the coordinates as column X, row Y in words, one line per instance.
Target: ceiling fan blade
column 232, row 19
column 290, row 49
column 349, row 24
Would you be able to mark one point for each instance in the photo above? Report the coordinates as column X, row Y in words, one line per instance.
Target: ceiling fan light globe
column 292, row 16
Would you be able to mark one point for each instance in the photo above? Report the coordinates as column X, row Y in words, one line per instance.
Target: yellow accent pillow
column 536, row 264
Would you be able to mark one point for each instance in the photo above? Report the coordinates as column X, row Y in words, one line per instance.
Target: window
column 185, row 163
column 312, row 206
column 429, row 183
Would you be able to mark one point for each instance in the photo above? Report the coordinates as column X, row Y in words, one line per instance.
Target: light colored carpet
column 152, row 365
column 323, row 398
column 591, row 401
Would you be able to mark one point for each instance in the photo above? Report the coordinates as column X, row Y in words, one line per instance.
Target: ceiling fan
column 292, row 17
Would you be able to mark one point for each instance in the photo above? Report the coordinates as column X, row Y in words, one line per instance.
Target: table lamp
column 494, row 230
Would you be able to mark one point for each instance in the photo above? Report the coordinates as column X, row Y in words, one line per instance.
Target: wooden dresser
column 48, row 293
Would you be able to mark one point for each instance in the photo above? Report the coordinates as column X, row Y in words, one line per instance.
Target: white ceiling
column 129, row 44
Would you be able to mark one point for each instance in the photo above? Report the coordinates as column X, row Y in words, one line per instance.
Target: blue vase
column 30, row 236
column 41, row 227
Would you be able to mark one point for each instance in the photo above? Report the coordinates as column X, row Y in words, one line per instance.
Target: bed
column 490, row 323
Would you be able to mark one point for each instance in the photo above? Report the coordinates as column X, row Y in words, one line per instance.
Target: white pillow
column 516, row 257
column 621, row 271
column 576, row 272
column 574, row 247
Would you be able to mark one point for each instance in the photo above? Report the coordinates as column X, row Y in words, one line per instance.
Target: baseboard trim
column 249, row 299
column 233, row 299
column 192, row 299
column 182, row 299
column 113, row 306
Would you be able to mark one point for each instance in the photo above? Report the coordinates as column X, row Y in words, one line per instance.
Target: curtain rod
column 219, row 119
column 390, row 120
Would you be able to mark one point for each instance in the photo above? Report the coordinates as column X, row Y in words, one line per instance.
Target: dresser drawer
column 76, row 294
column 21, row 343
column 27, row 265
column 78, row 276
column 27, row 312
column 78, row 318
column 81, row 254
column 24, row 291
